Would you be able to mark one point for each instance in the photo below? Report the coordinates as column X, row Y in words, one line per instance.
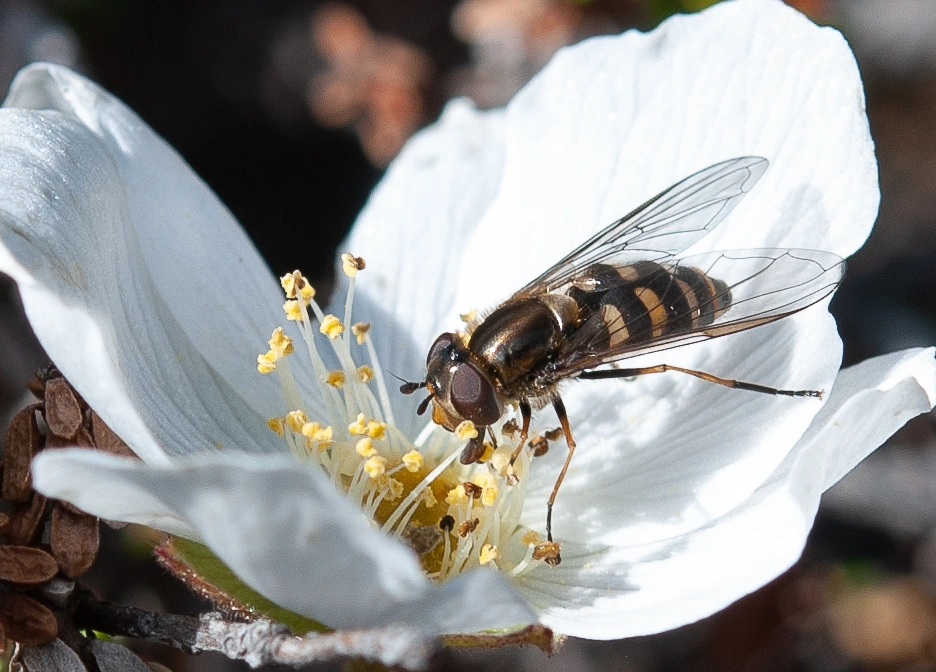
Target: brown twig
column 259, row 642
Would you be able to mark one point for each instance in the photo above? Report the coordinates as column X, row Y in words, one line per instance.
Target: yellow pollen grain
column 360, row 329
column 413, row 461
column 296, row 420
column 375, row 466
column 358, row 427
column 292, row 310
column 365, row 448
column 266, row 363
column 336, row 378
column 365, row 373
column 429, row 498
column 280, row 343
column 466, row 430
column 489, row 495
column 277, row 425
column 489, row 553
column 376, row 430
column 351, row 264
column 307, row 293
column 530, row 538
column 332, row 327
column 468, row 317
column 456, row 495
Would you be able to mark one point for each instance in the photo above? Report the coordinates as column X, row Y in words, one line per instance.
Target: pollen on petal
column 530, row 538
column 376, row 430
column 413, row 461
column 358, row 427
column 429, row 498
column 375, row 466
column 292, row 310
column 277, row 425
column 351, row 264
column 466, row 430
column 360, row 329
column 266, row 363
column 489, row 553
column 296, row 420
column 336, row 378
column 365, row 447
column 332, row 327
column 365, row 373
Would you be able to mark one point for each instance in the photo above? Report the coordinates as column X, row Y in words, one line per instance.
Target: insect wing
column 664, row 226
column 757, row 286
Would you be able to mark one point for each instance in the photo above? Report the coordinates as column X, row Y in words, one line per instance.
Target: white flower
column 683, row 496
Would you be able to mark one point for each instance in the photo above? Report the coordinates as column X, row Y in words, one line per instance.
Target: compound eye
column 473, row 396
column 443, row 342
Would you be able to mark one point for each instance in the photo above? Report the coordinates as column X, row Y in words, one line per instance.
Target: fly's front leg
column 526, row 413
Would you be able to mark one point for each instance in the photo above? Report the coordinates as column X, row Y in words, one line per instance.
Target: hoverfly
column 624, row 292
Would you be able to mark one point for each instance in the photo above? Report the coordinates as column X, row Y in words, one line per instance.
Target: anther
column 472, row 490
column 447, row 523
column 549, row 552
column 468, row 527
column 351, row 264
column 539, row 445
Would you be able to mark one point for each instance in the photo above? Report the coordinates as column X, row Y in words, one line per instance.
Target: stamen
column 336, row 379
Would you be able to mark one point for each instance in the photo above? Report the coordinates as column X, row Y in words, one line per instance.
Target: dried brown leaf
column 27, row 621
column 25, row 565
column 22, row 443
column 54, row 656
column 75, row 540
column 25, row 520
column 114, row 657
column 107, row 440
column 81, row 439
column 63, row 413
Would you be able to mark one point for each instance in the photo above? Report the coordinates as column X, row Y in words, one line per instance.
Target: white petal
column 641, row 589
column 667, row 453
column 412, row 234
column 613, row 121
column 139, row 283
column 299, row 543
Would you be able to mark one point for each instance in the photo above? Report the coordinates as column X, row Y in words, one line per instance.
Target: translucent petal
column 305, row 548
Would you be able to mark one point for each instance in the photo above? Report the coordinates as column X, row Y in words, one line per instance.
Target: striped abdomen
column 634, row 304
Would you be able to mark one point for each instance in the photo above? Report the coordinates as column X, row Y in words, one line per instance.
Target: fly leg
column 525, row 413
column 727, row 382
column 549, row 550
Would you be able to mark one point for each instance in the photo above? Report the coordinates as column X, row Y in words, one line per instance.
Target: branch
column 259, row 642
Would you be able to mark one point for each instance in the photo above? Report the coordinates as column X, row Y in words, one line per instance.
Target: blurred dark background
column 290, row 110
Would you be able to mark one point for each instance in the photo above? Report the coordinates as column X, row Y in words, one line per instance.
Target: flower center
column 454, row 516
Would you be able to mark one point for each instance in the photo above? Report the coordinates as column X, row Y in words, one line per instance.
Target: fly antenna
column 408, row 387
